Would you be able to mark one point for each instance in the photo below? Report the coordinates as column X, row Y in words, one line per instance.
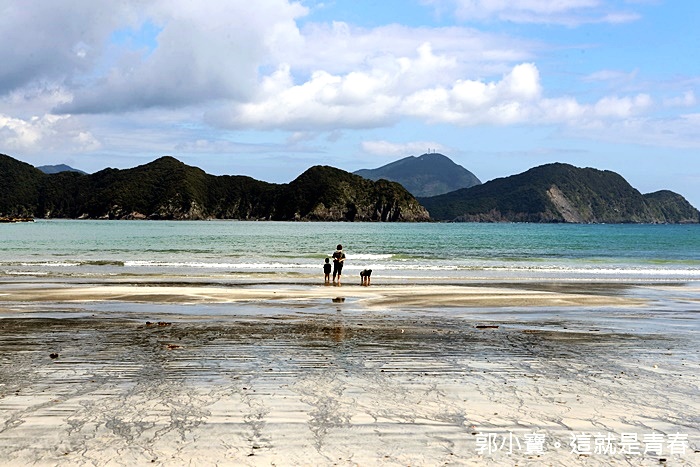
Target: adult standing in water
column 338, row 260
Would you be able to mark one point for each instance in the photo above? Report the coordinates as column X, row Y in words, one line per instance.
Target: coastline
column 299, row 374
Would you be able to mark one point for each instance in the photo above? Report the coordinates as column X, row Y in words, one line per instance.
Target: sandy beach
column 303, row 374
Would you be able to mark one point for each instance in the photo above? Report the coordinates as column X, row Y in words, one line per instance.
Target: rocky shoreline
column 11, row 220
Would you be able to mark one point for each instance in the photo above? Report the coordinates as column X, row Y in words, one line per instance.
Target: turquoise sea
column 273, row 251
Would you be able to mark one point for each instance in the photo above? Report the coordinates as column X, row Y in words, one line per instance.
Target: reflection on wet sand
column 338, row 382
column 324, row 388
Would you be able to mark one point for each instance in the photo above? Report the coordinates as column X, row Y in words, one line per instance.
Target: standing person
column 327, row 271
column 338, row 260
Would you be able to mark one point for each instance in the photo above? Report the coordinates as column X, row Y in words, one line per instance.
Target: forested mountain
column 168, row 189
column 560, row 193
column 19, row 187
column 426, row 175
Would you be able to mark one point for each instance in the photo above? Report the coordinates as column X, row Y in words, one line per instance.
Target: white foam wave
column 379, row 263
column 205, row 265
column 369, row 256
column 600, row 270
column 25, row 273
column 428, row 267
column 50, row 264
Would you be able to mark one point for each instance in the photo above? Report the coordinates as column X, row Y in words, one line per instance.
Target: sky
column 269, row 88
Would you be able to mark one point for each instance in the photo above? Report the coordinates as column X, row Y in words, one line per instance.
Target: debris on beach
column 159, row 323
column 53, row 355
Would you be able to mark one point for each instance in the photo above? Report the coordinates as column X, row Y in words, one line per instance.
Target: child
column 327, row 271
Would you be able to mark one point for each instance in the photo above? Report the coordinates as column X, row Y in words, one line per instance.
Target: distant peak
column 54, row 169
column 432, row 156
column 429, row 174
column 167, row 159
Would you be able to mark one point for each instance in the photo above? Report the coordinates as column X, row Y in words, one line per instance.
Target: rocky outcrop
column 563, row 206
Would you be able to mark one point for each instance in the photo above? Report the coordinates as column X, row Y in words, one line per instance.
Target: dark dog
column 365, row 276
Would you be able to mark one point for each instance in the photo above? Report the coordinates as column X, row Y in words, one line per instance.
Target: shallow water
column 64, row 248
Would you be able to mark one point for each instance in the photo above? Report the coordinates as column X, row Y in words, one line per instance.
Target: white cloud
column 249, row 66
column 613, row 76
column 688, row 99
column 33, row 100
column 53, row 41
column 619, row 18
column 44, row 133
column 220, row 54
column 207, row 146
column 564, row 12
column 676, row 133
column 325, row 101
column 215, row 53
column 389, row 149
column 486, row 8
column 624, row 107
column 341, row 47
column 202, row 54
column 381, row 97
column 470, row 102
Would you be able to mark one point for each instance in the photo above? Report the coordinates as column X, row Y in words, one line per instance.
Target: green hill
column 560, row 193
column 672, row 206
column 327, row 193
column 426, row 175
column 19, row 187
column 168, row 189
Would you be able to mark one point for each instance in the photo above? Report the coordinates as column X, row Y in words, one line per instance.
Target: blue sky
column 272, row 87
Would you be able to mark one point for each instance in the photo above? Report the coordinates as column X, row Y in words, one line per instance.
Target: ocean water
column 274, row 251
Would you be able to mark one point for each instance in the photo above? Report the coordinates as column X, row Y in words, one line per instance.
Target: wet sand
column 377, row 296
column 301, row 374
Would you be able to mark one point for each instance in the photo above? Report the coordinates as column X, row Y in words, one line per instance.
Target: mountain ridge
column 166, row 188
column 169, row 189
column 560, row 192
